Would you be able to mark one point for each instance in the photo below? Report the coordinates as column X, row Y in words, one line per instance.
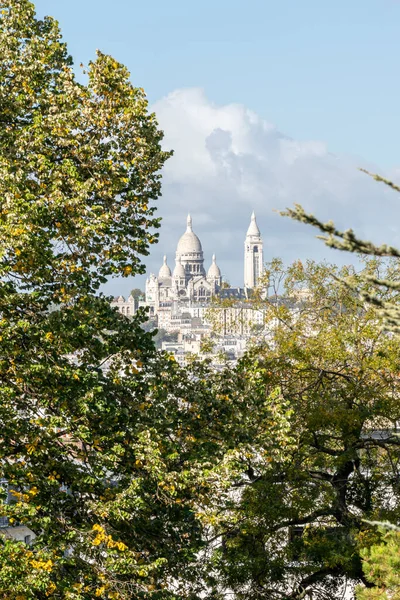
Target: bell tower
column 253, row 254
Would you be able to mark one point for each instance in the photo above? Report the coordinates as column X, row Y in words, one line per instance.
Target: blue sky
column 324, row 73
column 319, row 69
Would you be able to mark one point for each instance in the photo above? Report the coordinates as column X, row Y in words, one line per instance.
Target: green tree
column 382, row 568
column 85, row 447
column 115, row 457
column 137, row 294
column 348, row 241
column 299, row 526
column 389, row 311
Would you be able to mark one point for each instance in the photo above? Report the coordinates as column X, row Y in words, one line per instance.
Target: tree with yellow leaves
column 110, row 453
column 84, row 445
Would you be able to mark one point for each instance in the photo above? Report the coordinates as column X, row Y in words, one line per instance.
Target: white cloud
column 228, row 161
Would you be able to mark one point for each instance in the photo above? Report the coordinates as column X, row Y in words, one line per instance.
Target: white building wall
column 253, row 255
column 125, row 307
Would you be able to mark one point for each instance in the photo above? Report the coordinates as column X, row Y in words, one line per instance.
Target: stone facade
column 125, row 307
column 189, row 281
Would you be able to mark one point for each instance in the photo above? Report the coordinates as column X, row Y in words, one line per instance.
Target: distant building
column 253, row 255
column 189, row 280
column 180, row 301
column 190, row 283
column 125, row 307
column 238, row 319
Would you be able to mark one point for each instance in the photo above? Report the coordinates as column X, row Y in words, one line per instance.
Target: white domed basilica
column 189, row 281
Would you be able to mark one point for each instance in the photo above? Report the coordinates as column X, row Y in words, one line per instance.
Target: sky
column 265, row 103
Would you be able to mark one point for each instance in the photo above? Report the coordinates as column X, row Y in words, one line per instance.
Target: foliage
column 96, row 467
column 113, row 456
column 349, row 242
column 382, row 568
column 298, row 525
column 386, row 305
column 141, row 479
column 137, row 294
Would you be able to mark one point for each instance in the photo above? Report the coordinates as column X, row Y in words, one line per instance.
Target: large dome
column 189, row 242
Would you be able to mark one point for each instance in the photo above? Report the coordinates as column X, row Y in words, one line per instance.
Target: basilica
column 189, row 281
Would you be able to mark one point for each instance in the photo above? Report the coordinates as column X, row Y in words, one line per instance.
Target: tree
column 389, row 310
column 137, row 294
column 382, row 568
column 347, row 241
column 300, row 526
column 113, row 455
column 85, row 449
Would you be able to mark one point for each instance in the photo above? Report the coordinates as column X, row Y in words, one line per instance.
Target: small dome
column 253, row 227
column 189, row 242
column 179, row 270
column 165, row 271
column 214, row 271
